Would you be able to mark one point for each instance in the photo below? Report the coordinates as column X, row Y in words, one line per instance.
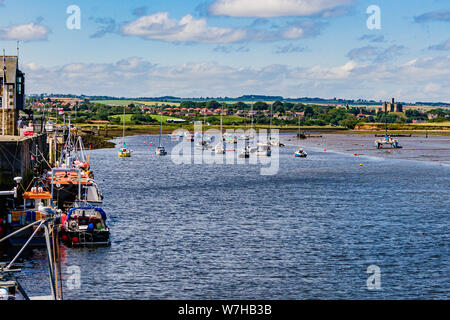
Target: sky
column 228, row 48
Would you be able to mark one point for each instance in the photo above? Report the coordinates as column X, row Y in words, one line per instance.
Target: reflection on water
column 224, row 231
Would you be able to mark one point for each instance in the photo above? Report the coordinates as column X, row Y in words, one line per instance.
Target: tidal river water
column 199, row 231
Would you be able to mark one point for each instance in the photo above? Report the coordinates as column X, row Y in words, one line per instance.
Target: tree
column 213, row 104
column 260, row 106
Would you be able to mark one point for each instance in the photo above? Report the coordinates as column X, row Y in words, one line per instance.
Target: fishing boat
column 387, row 141
column 9, row 281
column 124, row 152
column 85, row 226
column 160, row 151
column 37, row 205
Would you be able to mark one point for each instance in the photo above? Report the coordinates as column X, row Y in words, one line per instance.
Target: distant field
column 154, row 116
column 435, row 124
column 159, row 103
column 128, row 102
column 114, row 102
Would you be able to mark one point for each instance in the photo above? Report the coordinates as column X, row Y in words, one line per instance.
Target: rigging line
column 6, row 157
column 55, row 271
column 58, row 251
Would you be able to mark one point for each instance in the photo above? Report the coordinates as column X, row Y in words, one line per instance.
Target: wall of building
column 16, row 156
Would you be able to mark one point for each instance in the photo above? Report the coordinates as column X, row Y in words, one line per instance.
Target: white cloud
column 425, row 79
column 443, row 46
column 188, row 29
column 274, row 8
column 160, row 26
column 25, row 32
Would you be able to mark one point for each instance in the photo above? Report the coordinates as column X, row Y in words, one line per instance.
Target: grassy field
column 159, row 103
column 114, row 102
column 154, row 116
column 128, row 102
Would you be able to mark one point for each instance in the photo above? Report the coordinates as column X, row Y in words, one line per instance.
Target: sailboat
column 388, row 140
column 203, row 145
column 160, row 151
column 220, row 147
column 300, row 153
column 264, row 148
column 124, row 152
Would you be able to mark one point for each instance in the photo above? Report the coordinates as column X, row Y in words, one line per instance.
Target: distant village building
column 392, row 106
column 12, row 97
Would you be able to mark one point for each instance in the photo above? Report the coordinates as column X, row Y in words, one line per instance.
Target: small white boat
column 124, row 152
column 264, row 150
column 219, row 149
column 203, row 145
column 245, row 152
column 300, row 153
column 161, row 151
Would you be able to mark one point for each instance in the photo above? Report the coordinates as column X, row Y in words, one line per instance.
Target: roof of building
column 11, row 68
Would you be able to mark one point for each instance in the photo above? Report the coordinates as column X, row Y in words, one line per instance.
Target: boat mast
column 204, row 123
column 271, row 115
column 160, row 131
column 251, row 110
column 123, row 130
column 5, row 93
column 385, row 119
column 221, row 122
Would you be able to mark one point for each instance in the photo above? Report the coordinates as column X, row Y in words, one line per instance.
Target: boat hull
column 124, row 154
column 85, row 238
column 299, row 155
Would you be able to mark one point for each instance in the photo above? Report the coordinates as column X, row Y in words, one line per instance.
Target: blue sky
column 292, row 48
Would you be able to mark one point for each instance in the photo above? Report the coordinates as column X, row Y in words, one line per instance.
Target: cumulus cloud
column 230, row 49
column 439, row 15
column 107, row 25
column 443, row 46
column 134, row 77
column 160, row 26
column 371, row 53
column 25, row 32
column 372, row 38
column 274, row 8
column 289, row 48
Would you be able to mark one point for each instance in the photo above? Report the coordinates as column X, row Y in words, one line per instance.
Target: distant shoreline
column 102, row 140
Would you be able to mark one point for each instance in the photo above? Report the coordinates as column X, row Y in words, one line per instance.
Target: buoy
column 324, row 150
column 389, row 151
column 355, row 154
column 75, row 240
column 64, row 237
column 360, row 164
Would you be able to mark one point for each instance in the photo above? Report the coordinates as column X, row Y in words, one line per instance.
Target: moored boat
column 300, row 153
column 85, row 226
